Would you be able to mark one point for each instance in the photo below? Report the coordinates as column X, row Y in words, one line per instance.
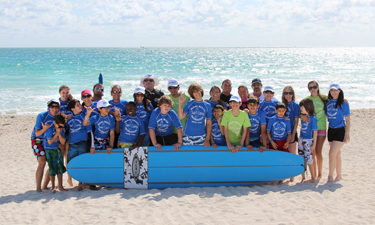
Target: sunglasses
column 148, row 80
column 99, row 89
column 86, row 96
column 54, row 106
column 288, row 93
column 139, row 95
column 61, row 126
column 172, row 87
column 116, row 92
column 269, row 92
column 313, row 87
column 104, row 107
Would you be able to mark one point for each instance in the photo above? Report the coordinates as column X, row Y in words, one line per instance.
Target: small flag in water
column 100, row 78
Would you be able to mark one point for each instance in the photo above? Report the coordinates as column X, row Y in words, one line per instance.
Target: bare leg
column 334, row 150
column 46, row 180
column 318, row 158
column 69, row 180
column 338, row 166
column 53, row 184
column 59, row 179
column 39, row 172
column 311, row 168
column 293, row 150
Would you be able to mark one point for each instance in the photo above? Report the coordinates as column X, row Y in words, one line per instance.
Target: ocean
column 32, row 76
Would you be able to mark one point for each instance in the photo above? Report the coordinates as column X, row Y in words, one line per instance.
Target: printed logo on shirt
column 141, row 112
column 75, row 125
column 318, row 108
column 279, row 128
column 162, row 125
column 331, row 110
column 216, row 132
column 235, row 127
column 103, row 127
column 269, row 110
column 197, row 113
column 254, row 124
column 131, row 126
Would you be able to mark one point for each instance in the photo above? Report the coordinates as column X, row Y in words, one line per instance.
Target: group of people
column 255, row 120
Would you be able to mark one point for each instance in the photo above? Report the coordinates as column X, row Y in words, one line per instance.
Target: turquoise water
column 32, row 76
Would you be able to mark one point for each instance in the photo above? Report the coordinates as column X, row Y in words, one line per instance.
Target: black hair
column 253, row 99
column 144, row 101
column 72, row 104
column 280, row 105
column 340, row 99
column 218, row 106
column 60, row 118
column 131, row 104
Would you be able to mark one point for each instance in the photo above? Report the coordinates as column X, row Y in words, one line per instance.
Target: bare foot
column 312, row 180
column 39, row 190
column 303, row 180
column 291, row 179
column 330, row 179
column 338, row 178
column 319, row 176
column 63, row 189
column 54, row 191
column 45, row 188
column 70, row 181
column 280, row 182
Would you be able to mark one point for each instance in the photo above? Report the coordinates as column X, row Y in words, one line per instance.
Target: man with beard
column 153, row 95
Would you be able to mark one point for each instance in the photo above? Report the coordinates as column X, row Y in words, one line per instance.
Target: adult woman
column 338, row 115
column 144, row 111
column 319, row 102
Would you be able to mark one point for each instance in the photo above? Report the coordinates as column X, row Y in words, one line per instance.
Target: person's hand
column 118, row 118
column 89, row 109
column 117, row 112
column 214, row 145
column 206, row 143
column 347, row 138
column 92, row 150
column 261, row 149
column 246, row 110
column 286, row 146
column 312, row 148
column 69, row 116
column 250, row 148
column 158, row 146
column 109, row 150
column 133, row 146
column 46, row 126
column 181, row 99
column 274, row 145
column 238, row 148
column 286, row 118
column 177, row 146
column 231, row 148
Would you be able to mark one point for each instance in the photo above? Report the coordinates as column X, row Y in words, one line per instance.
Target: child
column 217, row 131
column 161, row 125
column 104, row 134
column 278, row 129
column 144, row 111
column 258, row 126
column 53, row 136
column 215, row 93
column 174, row 88
column 43, row 122
column 308, row 135
column 236, row 124
column 130, row 127
column 198, row 125
column 65, row 97
column 268, row 104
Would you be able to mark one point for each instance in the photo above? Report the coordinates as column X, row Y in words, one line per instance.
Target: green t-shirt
column 175, row 108
column 235, row 125
column 319, row 111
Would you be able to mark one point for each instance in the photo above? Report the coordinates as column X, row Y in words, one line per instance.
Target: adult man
column 256, row 84
column 226, row 88
column 98, row 91
column 149, row 82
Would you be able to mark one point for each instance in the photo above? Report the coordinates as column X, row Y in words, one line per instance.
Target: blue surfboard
column 191, row 166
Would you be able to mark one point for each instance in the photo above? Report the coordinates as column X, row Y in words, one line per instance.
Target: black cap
column 256, row 80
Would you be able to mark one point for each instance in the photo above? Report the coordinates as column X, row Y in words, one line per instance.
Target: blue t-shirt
column 45, row 118
column 293, row 112
column 93, row 113
column 197, row 112
column 142, row 114
column 307, row 129
column 336, row 116
column 219, row 139
column 119, row 105
column 64, row 107
column 268, row 107
column 163, row 123
column 213, row 103
column 131, row 127
column 279, row 128
column 48, row 135
column 256, row 121
column 103, row 125
column 77, row 132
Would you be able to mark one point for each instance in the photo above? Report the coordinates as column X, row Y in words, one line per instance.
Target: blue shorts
column 77, row 149
column 194, row 140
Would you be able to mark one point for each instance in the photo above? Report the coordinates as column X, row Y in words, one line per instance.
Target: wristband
column 271, row 140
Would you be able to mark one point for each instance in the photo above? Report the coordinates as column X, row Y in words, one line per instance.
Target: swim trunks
column 37, row 146
column 55, row 161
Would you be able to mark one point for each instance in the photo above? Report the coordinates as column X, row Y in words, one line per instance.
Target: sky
column 187, row 23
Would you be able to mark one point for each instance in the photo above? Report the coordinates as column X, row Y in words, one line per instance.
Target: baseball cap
column 102, row 103
column 256, row 80
column 139, row 89
column 173, row 83
column 269, row 88
column 334, row 86
column 149, row 76
column 86, row 91
column 53, row 101
column 235, row 98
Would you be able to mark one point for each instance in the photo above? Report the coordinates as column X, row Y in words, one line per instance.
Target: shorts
column 295, row 139
column 194, row 140
column 337, row 134
column 304, row 149
column 37, row 146
column 124, row 145
column 255, row 143
column 167, row 140
column 322, row 132
column 101, row 143
column 280, row 145
column 77, row 149
column 55, row 161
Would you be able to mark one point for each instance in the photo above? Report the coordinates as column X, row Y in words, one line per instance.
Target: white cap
column 102, row 103
column 139, row 89
column 235, row 98
column 149, row 76
column 173, row 83
column 334, row 86
column 269, row 88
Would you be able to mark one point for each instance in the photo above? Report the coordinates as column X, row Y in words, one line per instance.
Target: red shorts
column 280, row 145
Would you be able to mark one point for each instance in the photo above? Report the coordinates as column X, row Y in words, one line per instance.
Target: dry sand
column 350, row 201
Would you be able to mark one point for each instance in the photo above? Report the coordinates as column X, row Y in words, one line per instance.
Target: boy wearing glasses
column 98, row 90
column 53, row 136
column 173, row 88
column 153, row 95
column 105, row 124
column 268, row 105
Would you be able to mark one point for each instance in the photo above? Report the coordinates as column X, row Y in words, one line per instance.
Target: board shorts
column 304, row 149
column 194, row 140
column 295, row 139
column 124, row 145
column 101, row 143
column 280, row 145
column 37, row 146
column 337, row 134
column 167, row 140
column 255, row 143
column 322, row 132
column 55, row 161
column 77, row 149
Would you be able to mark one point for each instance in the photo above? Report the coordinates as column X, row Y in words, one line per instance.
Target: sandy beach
column 349, row 201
